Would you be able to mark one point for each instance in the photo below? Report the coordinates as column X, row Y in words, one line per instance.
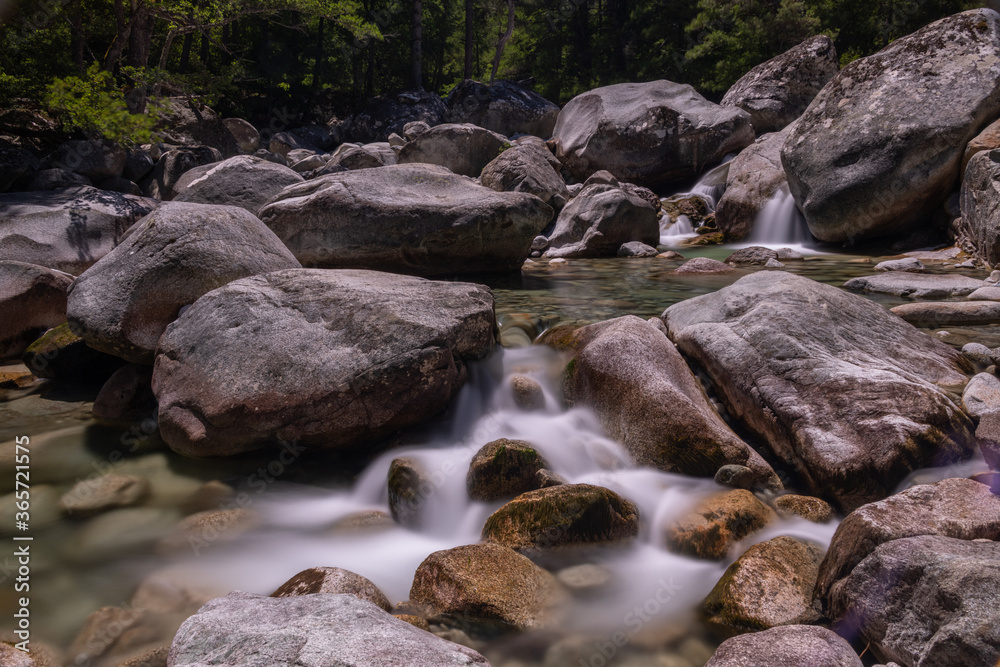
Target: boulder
column 915, row 285
column 776, row 92
column 503, row 107
column 333, row 580
column 599, row 220
column 15, row 164
column 986, row 293
column 120, row 184
column 245, row 181
column 937, row 314
column 988, row 436
column 308, row 631
column 717, row 523
column 786, row 646
column 323, row 358
column 55, row 179
column 246, row 135
column 653, row 134
column 461, row 148
column 755, row 175
column 127, row 396
column 185, row 124
column 922, row 601
column 529, row 167
column 488, row 584
column 956, row 508
column 418, row 219
column 162, row 183
column 123, row 303
column 138, row 164
column 62, row 355
column 850, row 397
column 93, row 159
column 32, row 300
column 409, row 488
column 283, row 143
column 980, row 205
column 911, row 264
column 92, row 496
column 503, row 469
column 528, row 393
column 67, row 230
column 386, row 114
column 807, row 507
column 648, row 399
column 981, row 396
column 699, row 265
column 771, row 584
column 637, row 249
column 562, row 516
column 752, row 255
column 350, row 156
column 932, row 92
column 987, row 140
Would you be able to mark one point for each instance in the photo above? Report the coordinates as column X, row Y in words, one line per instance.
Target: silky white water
column 709, row 188
column 780, row 223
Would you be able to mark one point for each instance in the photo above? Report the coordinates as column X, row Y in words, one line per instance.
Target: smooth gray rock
column 91, row 158
column 755, row 175
column 637, row 249
column 703, row 265
column 55, row 179
column 981, row 395
column 752, row 255
column 67, row 230
column 329, row 359
column 786, row 646
column 461, row 148
column 185, row 124
column 419, row 219
column 599, row 220
column 386, row 114
column 333, row 580
column 503, row 107
column 915, row 285
column 931, row 91
column 322, row 630
column 776, row 92
column 245, row 181
column 936, row 314
column 527, row 166
column 646, row 397
column 122, row 304
column 911, row 264
column 980, row 205
column 986, row 293
column 166, row 175
column 32, row 301
column 651, row 134
column 925, row 601
column 848, row 395
column 246, row 135
column 283, row 143
column 351, row 156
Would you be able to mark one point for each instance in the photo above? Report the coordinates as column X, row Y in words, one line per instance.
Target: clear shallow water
column 81, row 565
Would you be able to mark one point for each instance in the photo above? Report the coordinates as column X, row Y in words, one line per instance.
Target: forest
column 317, row 59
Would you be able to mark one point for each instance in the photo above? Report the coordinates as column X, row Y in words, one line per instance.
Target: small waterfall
column 780, row 223
column 681, row 228
column 712, row 185
column 709, row 189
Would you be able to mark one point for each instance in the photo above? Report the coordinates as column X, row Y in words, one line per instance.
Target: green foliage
column 94, row 106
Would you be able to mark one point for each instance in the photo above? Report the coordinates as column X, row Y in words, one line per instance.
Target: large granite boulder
column 322, row 630
column 246, row 135
column 185, row 124
column 245, row 181
column 786, row 646
column 328, row 359
column 503, row 107
column 91, row 158
column 16, row 164
column 980, row 205
column 333, row 580
column 647, row 133
column 419, row 219
column 924, row 601
column 122, row 304
column 599, row 220
column 931, row 91
column 389, row 114
column 848, row 395
column 67, row 230
column 649, row 400
column 776, row 92
column 527, row 166
column 163, row 181
column 909, row 285
column 462, row 148
column 32, row 300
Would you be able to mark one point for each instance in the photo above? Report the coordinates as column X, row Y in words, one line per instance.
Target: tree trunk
column 417, row 44
column 205, row 52
column 123, row 29
column 76, row 34
column 503, row 40
column 141, row 38
column 469, row 16
column 185, row 63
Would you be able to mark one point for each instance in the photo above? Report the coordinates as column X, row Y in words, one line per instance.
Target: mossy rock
column 563, row 516
column 717, row 523
column 62, row 355
column 712, row 238
column 333, row 580
column 408, row 487
column 503, row 469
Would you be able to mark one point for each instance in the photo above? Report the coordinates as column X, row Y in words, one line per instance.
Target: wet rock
column 111, row 634
column 752, row 255
column 957, row 508
column 503, row 107
column 488, row 584
column 333, row 580
column 651, row 134
column 246, row 135
column 546, row 478
column 736, row 476
column 90, row 497
column 32, row 300
column 461, row 148
column 245, row 181
column 420, row 219
column 166, row 176
column 836, row 175
column 755, row 176
column 928, row 600
column 316, row 630
column 562, row 516
column 699, row 265
column 528, row 394
column 409, row 488
column 717, row 523
column 587, row 579
column 386, row 114
column 198, row 532
column 156, row 657
column 60, row 354
column 127, row 396
column 93, row 159
column 786, row 646
column 328, row 359
column 986, row 293
column 599, row 220
column 807, row 507
column 68, row 230
column 773, row 264
column 771, row 584
column 119, row 533
column 937, row 314
column 123, row 303
column 647, row 398
column 527, row 166
column 821, row 375
column 503, row 469
column 43, row 505
column 911, row 264
column 915, row 285
column 776, row 92
column 636, row 249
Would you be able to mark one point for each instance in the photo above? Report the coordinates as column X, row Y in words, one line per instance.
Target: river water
column 301, row 502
